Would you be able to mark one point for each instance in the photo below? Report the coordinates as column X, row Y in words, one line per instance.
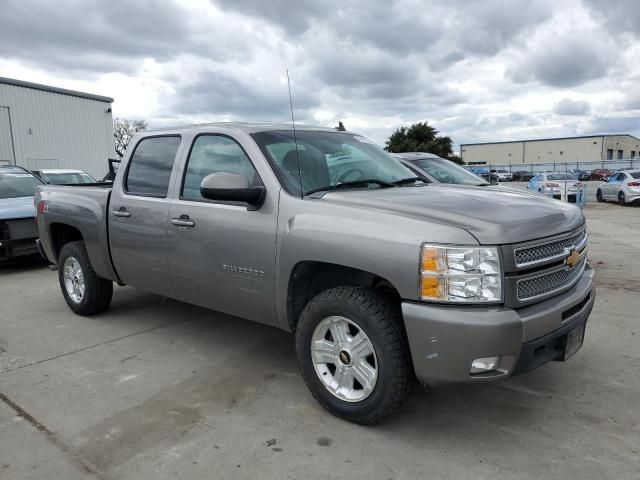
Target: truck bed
column 81, row 207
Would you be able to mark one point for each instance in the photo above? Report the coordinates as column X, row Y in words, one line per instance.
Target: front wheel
column 621, row 199
column 599, row 196
column 83, row 290
column 353, row 353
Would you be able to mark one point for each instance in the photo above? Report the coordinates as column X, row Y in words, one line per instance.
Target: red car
column 601, row 174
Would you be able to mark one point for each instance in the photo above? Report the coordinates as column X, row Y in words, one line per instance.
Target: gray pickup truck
column 385, row 279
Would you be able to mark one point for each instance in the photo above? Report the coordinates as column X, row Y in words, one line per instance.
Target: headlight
column 460, row 274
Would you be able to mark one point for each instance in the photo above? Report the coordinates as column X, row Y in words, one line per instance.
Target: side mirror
column 232, row 187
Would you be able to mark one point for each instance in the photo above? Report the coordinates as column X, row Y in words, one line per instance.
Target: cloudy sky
column 483, row 70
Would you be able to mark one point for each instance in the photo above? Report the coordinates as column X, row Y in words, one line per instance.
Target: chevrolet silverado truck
column 383, row 278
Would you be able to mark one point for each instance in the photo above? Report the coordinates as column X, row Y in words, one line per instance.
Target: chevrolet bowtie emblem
column 572, row 259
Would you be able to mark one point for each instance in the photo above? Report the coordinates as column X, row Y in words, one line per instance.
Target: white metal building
column 559, row 150
column 49, row 127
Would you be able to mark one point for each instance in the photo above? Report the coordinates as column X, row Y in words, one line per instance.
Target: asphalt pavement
column 158, row 389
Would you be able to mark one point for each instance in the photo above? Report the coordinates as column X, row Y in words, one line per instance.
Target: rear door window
column 150, row 166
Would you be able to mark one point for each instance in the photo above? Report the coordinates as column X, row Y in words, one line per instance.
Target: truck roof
column 247, row 127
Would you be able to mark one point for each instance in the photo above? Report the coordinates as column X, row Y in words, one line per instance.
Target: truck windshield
column 445, row 171
column 325, row 159
column 17, row 183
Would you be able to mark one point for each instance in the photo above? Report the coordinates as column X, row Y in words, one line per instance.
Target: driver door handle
column 122, row 213
column 183, row 221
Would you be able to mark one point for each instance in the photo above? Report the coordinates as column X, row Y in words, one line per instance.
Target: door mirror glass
column 231, row 187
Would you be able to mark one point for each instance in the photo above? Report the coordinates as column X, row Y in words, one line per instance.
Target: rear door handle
column 122, row 213
column 183, row 221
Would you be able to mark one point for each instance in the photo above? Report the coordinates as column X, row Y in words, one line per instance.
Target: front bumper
column 445, row 340
column 17, row 238
column 17, row 248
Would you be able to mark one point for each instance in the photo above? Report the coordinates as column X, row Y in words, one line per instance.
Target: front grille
column 22, row 229
column 549, row 283
column 24, row 247
column 528, row 256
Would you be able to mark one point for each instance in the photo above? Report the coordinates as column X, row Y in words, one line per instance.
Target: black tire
column 97, row 291
column 381, row 320
column 621, row 199
column 599, row 196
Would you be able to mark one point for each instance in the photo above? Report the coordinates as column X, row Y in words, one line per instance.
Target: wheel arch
column 61, row 234
column 308, row 278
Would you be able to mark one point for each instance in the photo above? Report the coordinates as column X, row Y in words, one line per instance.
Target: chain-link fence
column 590, row 170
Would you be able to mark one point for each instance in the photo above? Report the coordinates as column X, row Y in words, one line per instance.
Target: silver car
column 554, row 184
column 439, row 170
column 504, row 175
column 623, row 187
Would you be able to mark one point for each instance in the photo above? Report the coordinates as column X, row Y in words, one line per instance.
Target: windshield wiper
column 354, row 183
column 405, row 181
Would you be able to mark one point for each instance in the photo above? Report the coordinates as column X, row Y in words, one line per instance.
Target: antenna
column 295, row 139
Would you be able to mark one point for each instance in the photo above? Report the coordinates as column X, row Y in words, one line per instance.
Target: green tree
column 421, row 137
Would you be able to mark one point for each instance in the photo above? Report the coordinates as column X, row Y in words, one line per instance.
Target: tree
column 421, row 137
column 123, row 130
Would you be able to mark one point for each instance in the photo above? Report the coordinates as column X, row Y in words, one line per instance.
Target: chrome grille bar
column 546, row 252
column 550, row 283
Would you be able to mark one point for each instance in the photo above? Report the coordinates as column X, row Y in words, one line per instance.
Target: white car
column 63, row 176
column 554, row 184
column 622, row 187
column 504, row 175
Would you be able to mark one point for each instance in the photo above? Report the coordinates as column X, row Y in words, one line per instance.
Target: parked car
column 623, row 187
column 483, row 172
column 582, row 175
column 555, row 183
column 435, row 169
column 18, row 230
column 503, row 174
column 61, row 176
column 382, row 277
column 523, row 176
column 601, row 174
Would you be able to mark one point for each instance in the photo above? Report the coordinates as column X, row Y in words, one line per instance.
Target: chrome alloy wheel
column 73, row 279
column 344, row 359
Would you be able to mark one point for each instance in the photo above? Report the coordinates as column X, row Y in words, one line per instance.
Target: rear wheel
column 353, row 353
column 599, row 196
column 83, row 290
column 622, row 199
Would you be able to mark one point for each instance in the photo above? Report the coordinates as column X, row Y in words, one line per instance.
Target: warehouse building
column 557, row 150
column 49, row 127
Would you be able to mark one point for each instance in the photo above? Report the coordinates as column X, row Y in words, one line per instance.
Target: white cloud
column 493, row 70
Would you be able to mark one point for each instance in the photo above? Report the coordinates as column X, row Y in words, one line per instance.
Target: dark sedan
column 523, row 176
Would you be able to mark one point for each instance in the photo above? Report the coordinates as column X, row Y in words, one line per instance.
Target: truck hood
column 492, row 214
column 18, row 207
